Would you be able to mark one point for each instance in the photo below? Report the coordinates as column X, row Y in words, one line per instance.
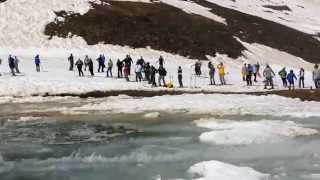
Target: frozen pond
column 71, row 138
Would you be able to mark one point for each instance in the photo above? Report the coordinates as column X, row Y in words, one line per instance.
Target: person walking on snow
column 268, row 73
column 120, row 67
column 126, row 72
column 90, row 65
column 79, row 65
column 249, row 75
column 71, row 62
column 138, row 72
column 256, row 71
column 301, row 78
column 153, row 72
column 180, row 77
column 291, row 77
column 37, row 62
column 283, row 75
column 110, row 66
column 316, row 76
column 221, row 70
column 244, row 71
column 101, row 60
column 147, row 72
column 86, row 62
column 11, row 65
column 16, row 64
column 212, row 72
column 162, row 74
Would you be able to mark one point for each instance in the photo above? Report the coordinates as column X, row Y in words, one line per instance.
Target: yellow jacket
column 221, row 69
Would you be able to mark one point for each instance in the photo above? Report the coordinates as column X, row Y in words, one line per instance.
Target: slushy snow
column 227, row 132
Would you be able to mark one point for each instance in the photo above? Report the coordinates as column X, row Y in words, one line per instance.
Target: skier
column 110, row 66
column 249, row 75
column 11, row 65
column 90, row 65
column 197, row 68
column 128, row 61
column 180, row 77
column 212, row 72
column 86, row 62
column 283, row 75
column 162, row 74
column 161, row 61
column 37, row 62
column 221, row 70
column 120, row 66
column 79, row 65
column 138, row 72
column 268, row 73
column 16, row 64
column 153, row 72
column 147, row 72
column 291, row 77
column 301, row 78
column 71, row 62
column 244, row 71
column 316, row 76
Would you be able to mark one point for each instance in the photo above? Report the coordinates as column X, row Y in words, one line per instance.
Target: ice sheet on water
column 228, row 132
column 215, row 170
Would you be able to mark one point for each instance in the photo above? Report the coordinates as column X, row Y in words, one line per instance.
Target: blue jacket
column 291, row 77
column 37, row 60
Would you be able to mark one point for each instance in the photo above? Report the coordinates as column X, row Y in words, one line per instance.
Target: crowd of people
column 144, row 71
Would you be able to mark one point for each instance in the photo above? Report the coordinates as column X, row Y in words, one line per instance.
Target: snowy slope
column 304, row 14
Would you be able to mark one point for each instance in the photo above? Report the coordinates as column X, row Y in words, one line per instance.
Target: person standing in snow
column 161, row 61
column 126, row 72
column 101, row 61
column 256, row 71
column 147, row 72
column 244, row 71
column 212, row 72
column 291, row 77
column 283, row 75
column 79, row 65
column 37, row 62
column 90, row 65
column 128, row 61
column 86, row 62
column 141, row 61
column 162, row 74
column 110, row 66
column 11, row 65
column 71, row 62
column 221, row 70
column 138, row 72
column 180, row 77
column 249, row 75
column 301, row 78
column 16, row 64
column 153, row 72
column 268, row 73
column 316, row 76
column 197, row 68
column 120, row 67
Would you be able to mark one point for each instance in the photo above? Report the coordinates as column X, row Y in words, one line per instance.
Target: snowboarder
column 153, row 72
column 79, row 65
column 249, row 75
column 11, row 65
column 128, row 61
column 301, row 78
column 90, row 65
column 283, row 75
column 197, row 68
column 212, row 72
column 268, row 73
column 221, row 70
column 138, row 72
column 316, row 76
column 120, row 67
column 16, row 64
column 71, row 62
column 291, row 77
column 110, row 66
column 37, row 62
column 180, row 77
column 162, row 74
column 244, row 71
